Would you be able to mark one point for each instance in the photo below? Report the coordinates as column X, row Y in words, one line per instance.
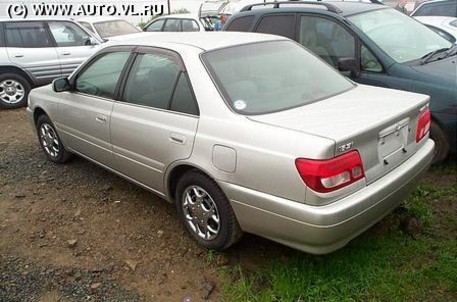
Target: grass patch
column 377, row 266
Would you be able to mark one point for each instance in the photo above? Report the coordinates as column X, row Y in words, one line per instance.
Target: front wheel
column 50, row 142
column 206, row 212
column 441, row 143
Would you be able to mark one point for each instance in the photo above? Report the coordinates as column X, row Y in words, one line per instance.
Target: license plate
column 393, row 138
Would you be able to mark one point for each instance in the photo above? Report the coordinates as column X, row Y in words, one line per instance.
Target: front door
column 84, row 114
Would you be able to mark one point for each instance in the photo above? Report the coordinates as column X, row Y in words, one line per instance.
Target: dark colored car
column 374, row 44
column 436, row 8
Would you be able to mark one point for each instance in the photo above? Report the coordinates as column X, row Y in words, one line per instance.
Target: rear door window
column 189, row 25
column 172, row 25
column 241, row 24
column 281, row 25
column 26, row 34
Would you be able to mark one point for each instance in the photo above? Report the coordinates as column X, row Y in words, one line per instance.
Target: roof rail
column 330, row 7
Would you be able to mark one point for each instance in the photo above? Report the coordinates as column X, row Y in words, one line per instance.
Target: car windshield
column 108, row 29
column 272, row 76
column 401, row 37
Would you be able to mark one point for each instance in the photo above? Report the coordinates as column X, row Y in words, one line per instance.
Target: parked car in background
column 238, row 130
column 177, row 23
column 444, row 26
column 436, row 8
column 33, row 52
column 106, row 28
column 373, row 44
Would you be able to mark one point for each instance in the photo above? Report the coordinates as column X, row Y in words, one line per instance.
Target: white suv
column 34, row 52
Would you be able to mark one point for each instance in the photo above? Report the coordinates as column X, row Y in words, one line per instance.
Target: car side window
column 368, row 61
column 101, row 77
column 26, row 34
column 241, row 24
column 282, row 25
column 183, row 98
column 68, row 34
column 151, row 81
column 156, row 26
column 326, row 38
column 438, row 9
column 172, row 25
column 189, row 25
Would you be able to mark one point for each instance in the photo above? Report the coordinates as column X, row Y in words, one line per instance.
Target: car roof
column 179, row 16
column 99, row 19
column 202, row 40
column 35, row 19
column 345, row 8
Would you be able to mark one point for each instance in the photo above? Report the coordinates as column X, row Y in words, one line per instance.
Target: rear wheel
column 14, row 90
column 441, row 143
column 206, row 212
column 50, row 142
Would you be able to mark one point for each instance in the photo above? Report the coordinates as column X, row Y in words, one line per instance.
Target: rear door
column 156, row 121
column 84, row 114
column 73, row 44
column 30, row 47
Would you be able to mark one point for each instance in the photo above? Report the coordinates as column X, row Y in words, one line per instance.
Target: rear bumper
column 323, row 229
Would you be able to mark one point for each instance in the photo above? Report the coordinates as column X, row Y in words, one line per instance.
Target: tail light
column 331, row 174
column 423, row 125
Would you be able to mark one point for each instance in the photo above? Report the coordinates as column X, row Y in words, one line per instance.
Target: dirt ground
column 76, row 232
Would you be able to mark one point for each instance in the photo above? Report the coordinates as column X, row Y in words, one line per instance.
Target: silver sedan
column 243, row 132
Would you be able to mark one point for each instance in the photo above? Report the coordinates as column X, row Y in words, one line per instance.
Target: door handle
column 66, row 53
column 177, row 138
column 18, row 55
column 100, row 118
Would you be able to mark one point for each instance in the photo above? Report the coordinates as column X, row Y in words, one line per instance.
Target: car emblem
column 345, row 147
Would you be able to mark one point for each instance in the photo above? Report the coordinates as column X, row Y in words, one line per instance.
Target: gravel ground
column 75, row 232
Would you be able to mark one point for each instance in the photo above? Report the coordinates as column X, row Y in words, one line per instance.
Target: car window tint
column 326, row 38
column 183, row 99
column 369, row 62
column 241, row 24
column 438, row 9
column 101, row 77
column 26, row 34
column 272, row 76
column 282, row 25
column 156, row 26
column 68, row 34
column 151, row 81
column 189, row 25
column 171, row 25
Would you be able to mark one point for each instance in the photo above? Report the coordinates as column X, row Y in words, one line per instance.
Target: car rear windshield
column 272, row 76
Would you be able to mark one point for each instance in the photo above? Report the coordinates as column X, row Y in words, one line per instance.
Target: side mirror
column 348, row 64
column 91, row 41
column 61, row 84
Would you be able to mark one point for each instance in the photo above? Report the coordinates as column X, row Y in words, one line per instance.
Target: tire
column 50, row 142
column 210, row 219
column 14, row 90
column 441, row 143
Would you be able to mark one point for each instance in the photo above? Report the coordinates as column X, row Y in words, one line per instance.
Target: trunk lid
column 380, row 123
